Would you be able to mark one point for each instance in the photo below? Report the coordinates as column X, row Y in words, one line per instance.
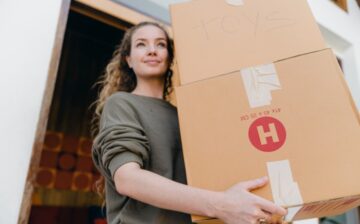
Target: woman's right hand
column 238, row 205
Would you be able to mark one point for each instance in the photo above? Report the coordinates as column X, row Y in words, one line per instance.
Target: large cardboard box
column 306, row 140
column 261, row 95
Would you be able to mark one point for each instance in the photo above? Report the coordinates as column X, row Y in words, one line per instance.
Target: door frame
column 87, row 7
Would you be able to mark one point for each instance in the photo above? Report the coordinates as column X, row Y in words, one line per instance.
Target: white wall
column 341, row 31
column 27, row 32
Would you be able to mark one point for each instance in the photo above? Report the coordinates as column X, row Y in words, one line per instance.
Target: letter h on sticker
column 264, row 135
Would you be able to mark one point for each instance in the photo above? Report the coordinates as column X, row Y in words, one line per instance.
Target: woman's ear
column 128, row 60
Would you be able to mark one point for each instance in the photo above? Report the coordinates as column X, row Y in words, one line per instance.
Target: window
column 342, row 3
column 340, row 62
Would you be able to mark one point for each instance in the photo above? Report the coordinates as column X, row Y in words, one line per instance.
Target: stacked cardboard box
column 261, row 95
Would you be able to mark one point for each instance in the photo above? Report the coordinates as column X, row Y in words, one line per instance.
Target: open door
column 59, row 186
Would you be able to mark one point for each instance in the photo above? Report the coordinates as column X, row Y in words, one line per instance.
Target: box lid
column 214, row 37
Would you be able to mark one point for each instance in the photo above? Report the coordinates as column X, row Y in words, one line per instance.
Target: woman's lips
column 152, row 62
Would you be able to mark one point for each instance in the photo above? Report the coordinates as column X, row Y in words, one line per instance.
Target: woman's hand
column 238, row 205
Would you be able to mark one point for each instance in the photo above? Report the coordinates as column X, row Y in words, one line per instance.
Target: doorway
column 63, row 190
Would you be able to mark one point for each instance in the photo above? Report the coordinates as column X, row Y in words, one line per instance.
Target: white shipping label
column 259, row 81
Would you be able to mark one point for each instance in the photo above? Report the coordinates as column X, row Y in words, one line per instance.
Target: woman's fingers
column 274, row 212
column 274, row 219
column 242, row 206
column 265, row 216
column 254, row 184
column 264, row 204
column 271, row 207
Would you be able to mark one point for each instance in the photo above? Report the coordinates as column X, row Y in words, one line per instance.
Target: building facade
column 31, row 42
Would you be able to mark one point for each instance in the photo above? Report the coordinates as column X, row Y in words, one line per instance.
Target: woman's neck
column 151, row 87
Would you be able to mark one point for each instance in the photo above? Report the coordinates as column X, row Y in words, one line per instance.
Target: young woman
column 138, row 148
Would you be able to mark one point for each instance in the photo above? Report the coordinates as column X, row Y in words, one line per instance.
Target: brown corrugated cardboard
column 289, row 114
column 213, row 37
column 316, row 129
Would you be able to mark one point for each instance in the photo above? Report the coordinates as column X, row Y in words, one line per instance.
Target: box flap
column 219, row 38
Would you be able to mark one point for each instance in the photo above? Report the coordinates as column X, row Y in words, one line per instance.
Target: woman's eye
column 140, row 44
column 161, row 44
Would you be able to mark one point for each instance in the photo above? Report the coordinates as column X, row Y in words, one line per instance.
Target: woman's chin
column 153, row 75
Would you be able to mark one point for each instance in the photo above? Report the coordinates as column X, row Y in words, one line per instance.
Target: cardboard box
column 310, row 131
column 213, row 37
column 261, row 95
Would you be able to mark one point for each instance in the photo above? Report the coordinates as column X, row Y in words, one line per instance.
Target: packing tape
column 235, row 2
column 285, row 191
column 292, row 211
column 259, row 81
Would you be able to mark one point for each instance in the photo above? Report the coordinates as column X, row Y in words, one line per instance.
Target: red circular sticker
column 267, row 134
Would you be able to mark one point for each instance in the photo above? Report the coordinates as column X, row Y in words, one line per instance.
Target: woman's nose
column 151, row 49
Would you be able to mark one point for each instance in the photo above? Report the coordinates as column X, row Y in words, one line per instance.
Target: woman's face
column 148, row 55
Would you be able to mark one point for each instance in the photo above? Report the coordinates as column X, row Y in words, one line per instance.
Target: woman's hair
column 120, row 77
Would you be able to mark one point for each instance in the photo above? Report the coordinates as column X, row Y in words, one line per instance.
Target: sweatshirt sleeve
column 121, row 138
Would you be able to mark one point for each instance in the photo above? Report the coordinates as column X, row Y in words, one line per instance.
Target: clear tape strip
column 284, row 189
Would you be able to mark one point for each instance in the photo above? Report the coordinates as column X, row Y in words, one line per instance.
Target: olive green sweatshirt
column 144, row 130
